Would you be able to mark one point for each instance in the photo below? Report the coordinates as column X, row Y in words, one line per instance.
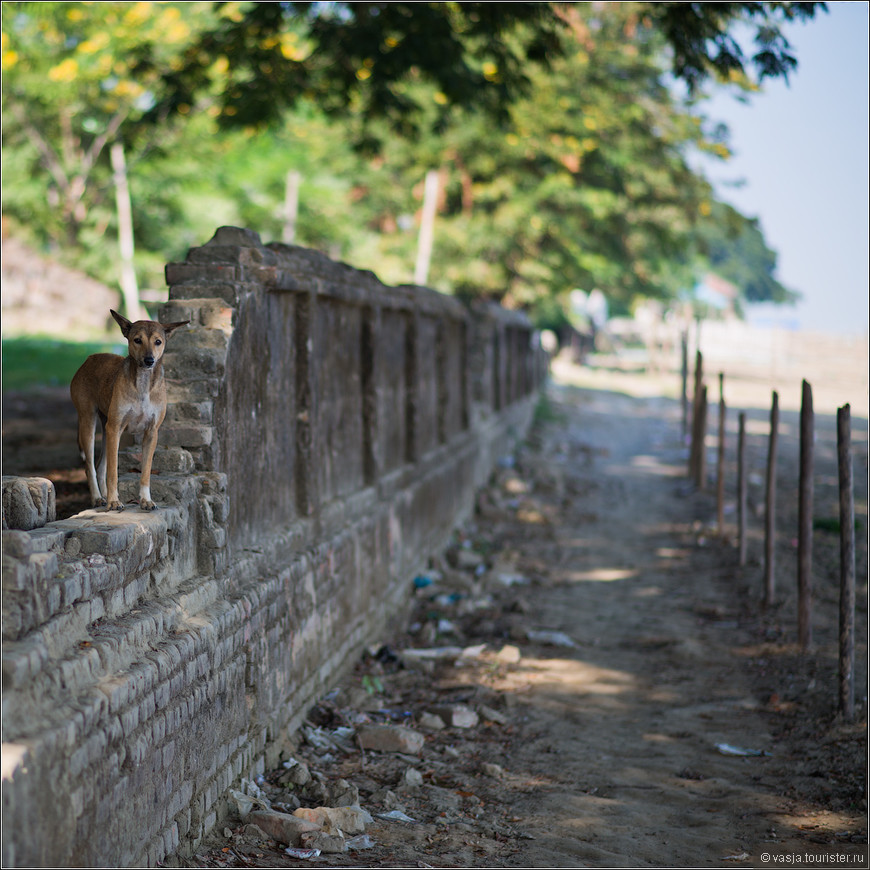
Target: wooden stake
column 696, row 411
column 684, row 376
column 720, row 460
column 741, row 491
column 701, row 478
column 770, row 504
column 847, row 566
column 805, row 520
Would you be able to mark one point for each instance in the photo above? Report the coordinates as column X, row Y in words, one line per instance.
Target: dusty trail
column 626, row 726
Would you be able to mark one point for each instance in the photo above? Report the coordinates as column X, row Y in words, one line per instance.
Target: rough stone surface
column 325, row 434
column 28, row 503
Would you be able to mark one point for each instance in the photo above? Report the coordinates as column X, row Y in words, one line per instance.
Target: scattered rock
column 431, row 722
column 297, row 773
column 255, row 833
column 508, row 655
column 281, row 827
column 493, row 770
column 333, row 843
column 411, row 657
column 456, row 715
column 336, row 820
column 391, row 738
column 468, row 559
column 492, row 715
column 550, row 638
column 411, row 779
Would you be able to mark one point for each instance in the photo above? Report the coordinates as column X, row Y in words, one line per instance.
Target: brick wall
column 325, row 433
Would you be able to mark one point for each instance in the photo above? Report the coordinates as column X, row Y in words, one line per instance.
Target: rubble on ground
column 411, row 751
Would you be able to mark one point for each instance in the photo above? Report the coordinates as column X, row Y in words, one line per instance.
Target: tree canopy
column 562, row 147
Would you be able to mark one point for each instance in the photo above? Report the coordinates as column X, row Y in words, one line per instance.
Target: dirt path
column 623, row 732
column 598, row 746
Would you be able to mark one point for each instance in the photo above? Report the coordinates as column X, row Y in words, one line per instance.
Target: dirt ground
column 625, row 657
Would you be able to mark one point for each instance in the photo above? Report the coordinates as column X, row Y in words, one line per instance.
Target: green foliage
column 735, row 248
column 34, row 361
column 372, row 685
column 561, row 148
column 703, row 43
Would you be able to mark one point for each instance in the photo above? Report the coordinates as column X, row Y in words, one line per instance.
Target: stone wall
column 325, row 434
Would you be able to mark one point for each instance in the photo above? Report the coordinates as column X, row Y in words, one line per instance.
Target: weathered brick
column 201, row 273
column 105, row 540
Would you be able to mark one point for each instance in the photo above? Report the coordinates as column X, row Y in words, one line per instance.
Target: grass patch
column 546, row 413
column 32, row 361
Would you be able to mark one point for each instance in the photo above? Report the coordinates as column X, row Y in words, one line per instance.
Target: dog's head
column 146, row 339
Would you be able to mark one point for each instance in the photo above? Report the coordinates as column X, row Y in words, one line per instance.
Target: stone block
column 200, row 273
column 105, row 539
column 28, row 502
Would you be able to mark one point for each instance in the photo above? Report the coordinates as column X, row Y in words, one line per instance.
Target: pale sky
column 802, row 150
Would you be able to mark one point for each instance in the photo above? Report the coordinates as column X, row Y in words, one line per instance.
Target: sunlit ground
column 837, row 372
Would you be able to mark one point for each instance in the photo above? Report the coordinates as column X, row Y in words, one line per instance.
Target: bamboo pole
column 741, row 491
column 720, row 460
column 847, row 566
column 805, row 520
column 770, row 504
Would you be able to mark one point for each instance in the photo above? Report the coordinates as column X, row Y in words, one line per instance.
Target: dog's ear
column 168, row 328
column 122, row 322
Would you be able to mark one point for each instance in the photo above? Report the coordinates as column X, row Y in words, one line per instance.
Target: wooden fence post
column 701, row 466
column 741, row 491
column 847, row 565
column 696, row 414
column 770, row 504
column 684, row 372
column 720, row 460
column 805, row 520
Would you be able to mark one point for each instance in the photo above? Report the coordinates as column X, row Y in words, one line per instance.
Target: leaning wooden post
column 741, row 491
column 701, row 462
column 805, row 520
column 770, row 504
column 720, row 460
column 696, row 410
column 847, row 565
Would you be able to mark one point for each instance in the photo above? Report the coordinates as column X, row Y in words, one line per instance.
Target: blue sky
column 802, row 151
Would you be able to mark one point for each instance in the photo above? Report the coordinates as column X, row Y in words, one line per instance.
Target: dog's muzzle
column 148, row 362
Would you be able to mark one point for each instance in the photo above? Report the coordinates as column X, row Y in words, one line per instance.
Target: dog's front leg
column 113, row 439
column 101, row 467
column 149, row 443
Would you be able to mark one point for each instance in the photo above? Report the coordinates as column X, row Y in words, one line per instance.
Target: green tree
column 586, row 186
column 76, row 77
column 734, row 247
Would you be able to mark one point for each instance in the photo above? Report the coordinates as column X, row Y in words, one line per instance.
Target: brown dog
column 124, row 394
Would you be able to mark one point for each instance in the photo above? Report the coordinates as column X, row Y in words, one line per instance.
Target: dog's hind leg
column 87, row 436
